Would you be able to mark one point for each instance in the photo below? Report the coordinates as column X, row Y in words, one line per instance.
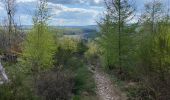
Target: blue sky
column 65, row 12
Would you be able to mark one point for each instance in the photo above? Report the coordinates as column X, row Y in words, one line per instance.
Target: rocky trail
column 106, row 90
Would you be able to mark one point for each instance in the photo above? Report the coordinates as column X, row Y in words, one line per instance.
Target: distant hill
column 88, row 27
column 89, row 31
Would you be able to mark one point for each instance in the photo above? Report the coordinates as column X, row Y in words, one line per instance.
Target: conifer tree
column 150, row 21
column 120, row 12
column 152, row 14
column 107, row 42
column 154, row 49
column 39, row 46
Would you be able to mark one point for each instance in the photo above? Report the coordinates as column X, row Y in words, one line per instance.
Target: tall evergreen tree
column 120, row 13
column 107, row 42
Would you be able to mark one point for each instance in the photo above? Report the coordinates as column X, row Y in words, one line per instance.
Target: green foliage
column 84, row 81
column 19, row 87
column 92, row 51
column 139, row 92
column 69, row 44
column 162, row 47
column 154, row 51
column 92, row 55
column 39, row 48
column 157, row 59
column 139, row 50
column 116, row 34
column 55, row 85
column 83, row 78
column 80, row 97
column 67, row 47
column 70, row 57
column 108, row 43
column 81, row 48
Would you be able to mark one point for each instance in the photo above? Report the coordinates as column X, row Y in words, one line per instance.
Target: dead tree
column 12, row 35
column 10, row 10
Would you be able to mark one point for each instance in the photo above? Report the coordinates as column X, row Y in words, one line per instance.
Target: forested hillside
column 125, row 55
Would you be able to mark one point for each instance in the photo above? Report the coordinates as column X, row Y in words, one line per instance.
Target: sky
column 64, row 12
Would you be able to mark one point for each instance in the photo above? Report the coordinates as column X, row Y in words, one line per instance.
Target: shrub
column 84, row 81
column 19, row 87
column 92, row 53
column 67, row 47
column 55, row 85
column 82, row 48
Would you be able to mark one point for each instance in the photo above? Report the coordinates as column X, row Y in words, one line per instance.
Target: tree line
column 139, row 50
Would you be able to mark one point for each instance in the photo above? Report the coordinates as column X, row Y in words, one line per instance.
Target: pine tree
column 154, row 50
column 107, row 42
column 39, row 46
column 150, row 21
column 120, row 12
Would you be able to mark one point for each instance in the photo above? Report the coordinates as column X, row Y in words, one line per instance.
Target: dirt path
column 105, row 88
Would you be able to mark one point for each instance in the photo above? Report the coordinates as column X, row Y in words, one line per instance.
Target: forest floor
column 106, row 89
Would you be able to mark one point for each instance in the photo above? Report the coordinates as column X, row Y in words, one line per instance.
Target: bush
column 81, row 48
column 70, row 57
column 154, row 61
column 19, row 87
column 55, row 85
column 84, row 81
column 67, row 47
column 13, row 92
column 92, row 54
column 139, row 92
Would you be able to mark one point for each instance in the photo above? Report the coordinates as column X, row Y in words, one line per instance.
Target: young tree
column 154, row 50
column 107, row 42
column 120, row 12
column 149, row 23
column 152, row 14
column 39, row 46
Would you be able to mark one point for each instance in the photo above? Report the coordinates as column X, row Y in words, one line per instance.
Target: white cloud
column 97, row 1
column 23, row 1
column 1, row 6
column 62, row 14
column 80, row 2
column 24, row 19
column 58, row 8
